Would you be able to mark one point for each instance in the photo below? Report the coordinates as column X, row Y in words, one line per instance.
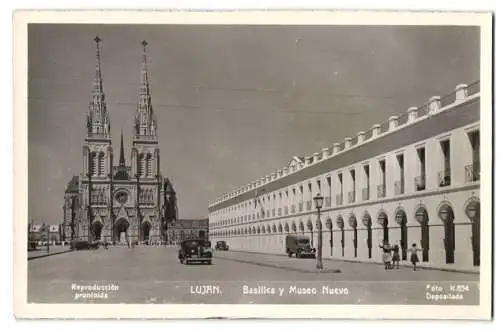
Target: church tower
column 97, row 148
column 97, row 153
column 145, row 152
column 146, row 158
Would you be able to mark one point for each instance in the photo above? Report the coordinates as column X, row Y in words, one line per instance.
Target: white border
column 22, row 309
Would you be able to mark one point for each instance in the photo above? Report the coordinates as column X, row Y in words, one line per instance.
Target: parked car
column 195, row 250
column 83, row 245
column 221, row 246
column 300, row 246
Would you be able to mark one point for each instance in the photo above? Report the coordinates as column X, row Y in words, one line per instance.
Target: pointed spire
column 98, row 123
column 145, row 122
column 98, row 90
column 122, row 154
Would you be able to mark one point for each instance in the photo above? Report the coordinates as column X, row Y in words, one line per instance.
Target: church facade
column 126, row 202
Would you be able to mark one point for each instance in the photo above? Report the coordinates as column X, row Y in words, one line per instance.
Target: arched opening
column 340, row 225
column 329, row 226
column 447, row 216
column 301, row 227
column 287, row 228
column 473, row 211
column 101, row 164
column 254, row 231
column 274, row 228
column 354, row 225
column 268, row 229
column 310, row 229
column 423, row 219
column 367, row 221
column 294, row 227
column 93, row 164
column 384, row 221
column 121, row 231
column 96, row 230
column 149, row 167
column 402, row 222
column 140, row 165
column 280, row 228
column 145, row 230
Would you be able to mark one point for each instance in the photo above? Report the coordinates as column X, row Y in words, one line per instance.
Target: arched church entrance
column 121, row 231
column 96, row 230
column 145, row 230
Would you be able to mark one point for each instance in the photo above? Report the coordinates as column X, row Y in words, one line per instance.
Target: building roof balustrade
column 435, row 105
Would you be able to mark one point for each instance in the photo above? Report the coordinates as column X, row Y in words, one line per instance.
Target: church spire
column 98, row 123
column 122, row 155
column 145, row 121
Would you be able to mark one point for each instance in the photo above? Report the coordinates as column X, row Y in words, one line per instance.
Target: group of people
column 391, row 255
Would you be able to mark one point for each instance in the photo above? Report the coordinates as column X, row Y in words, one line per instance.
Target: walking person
column 395, row 257
column 414, row 257
column 386, row 256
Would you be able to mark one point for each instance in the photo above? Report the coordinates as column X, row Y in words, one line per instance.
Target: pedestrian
column 395, row 256
column 414, row 257
column 386, row 256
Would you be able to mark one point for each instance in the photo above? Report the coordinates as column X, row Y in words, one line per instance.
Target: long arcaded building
column 413, row 179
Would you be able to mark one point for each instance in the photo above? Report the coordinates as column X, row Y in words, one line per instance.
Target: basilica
column 126, row 202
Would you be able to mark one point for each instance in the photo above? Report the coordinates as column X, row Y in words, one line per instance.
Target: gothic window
column 140, row 165
column 93, row 164
column 101, row 164
column 149, row 169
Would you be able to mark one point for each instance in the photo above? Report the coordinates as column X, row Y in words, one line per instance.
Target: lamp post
column 318, row 202
column 73, row 218
column 137, row 176
column 89, row 209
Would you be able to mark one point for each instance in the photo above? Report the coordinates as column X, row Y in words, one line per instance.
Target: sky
column 233, row 103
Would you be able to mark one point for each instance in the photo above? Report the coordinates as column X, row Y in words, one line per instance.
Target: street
column 154, row 275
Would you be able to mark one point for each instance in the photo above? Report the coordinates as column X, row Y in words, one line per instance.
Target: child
column 414, row 257
column 386, row 257
column 395, row 256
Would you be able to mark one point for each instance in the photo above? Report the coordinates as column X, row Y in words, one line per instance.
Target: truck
column 300, row 246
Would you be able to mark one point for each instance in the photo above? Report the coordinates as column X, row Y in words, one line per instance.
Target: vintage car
column 221, row 246
column 195, row 250
column 300, row 246
column 83, row 245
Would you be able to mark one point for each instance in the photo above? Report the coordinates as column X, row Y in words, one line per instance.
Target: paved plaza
column 153, row 275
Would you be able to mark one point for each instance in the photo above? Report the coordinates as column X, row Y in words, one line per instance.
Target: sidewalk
column 42, row 252
column 277, row 261
column 329, row 261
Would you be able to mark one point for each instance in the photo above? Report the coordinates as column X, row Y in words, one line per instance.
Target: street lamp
column 318, row 202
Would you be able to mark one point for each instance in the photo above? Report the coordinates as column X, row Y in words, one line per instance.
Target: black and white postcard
column 321, row 164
